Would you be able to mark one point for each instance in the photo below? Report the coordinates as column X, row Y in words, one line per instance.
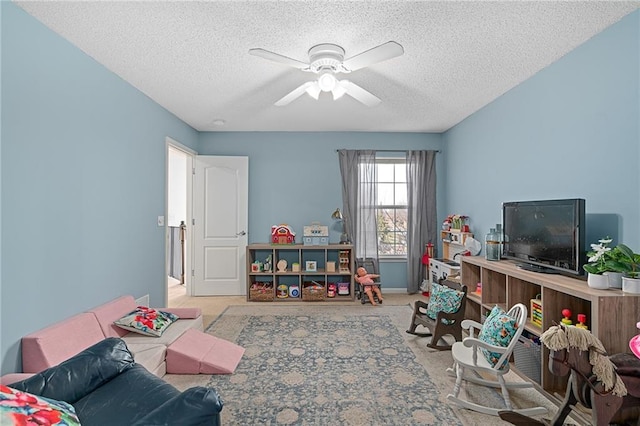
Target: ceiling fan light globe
column 327, row 82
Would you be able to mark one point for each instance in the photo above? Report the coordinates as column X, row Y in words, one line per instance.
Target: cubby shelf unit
column 339, row 255
column 611, row 314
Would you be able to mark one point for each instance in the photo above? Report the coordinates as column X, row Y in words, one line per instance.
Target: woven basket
column 311, row 292
column 262, row 294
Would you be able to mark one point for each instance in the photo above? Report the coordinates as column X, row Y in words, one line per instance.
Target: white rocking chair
column 467, row 355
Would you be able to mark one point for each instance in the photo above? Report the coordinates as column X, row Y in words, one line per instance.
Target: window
column 391, row 207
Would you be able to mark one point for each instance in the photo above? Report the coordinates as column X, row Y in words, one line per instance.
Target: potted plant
column 457, row 221
column 601, row 261
column 628, row 263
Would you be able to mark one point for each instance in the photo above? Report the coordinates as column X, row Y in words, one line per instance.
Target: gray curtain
column 359, row 198
column 422, row 217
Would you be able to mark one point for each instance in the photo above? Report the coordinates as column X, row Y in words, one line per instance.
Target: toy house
column 282, row 234
column 315, row 235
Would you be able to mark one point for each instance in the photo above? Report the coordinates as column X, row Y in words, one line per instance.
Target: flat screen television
column 546, row 235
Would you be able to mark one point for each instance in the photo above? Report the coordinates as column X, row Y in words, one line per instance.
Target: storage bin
column 261, row 292
column 527, row 358
column 313, row 291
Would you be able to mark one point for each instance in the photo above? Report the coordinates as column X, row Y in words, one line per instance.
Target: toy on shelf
column 331, row 290
column 343, row 289
column 344, row 260
column 282, row 291
column 566, row 313
column 256, row 266
column 282, row 234
column 582, row 319
column 282, row 265
column 315, row 235
column 479, row 288
column 294, row 290
column 536, row 311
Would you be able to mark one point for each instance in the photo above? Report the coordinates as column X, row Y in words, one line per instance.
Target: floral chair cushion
column 443, row 299
column 498, row 330
column 22, row 408
column 147, row 321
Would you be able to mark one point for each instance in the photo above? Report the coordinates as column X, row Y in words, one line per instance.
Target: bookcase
column 298, row 272
column 611, row 314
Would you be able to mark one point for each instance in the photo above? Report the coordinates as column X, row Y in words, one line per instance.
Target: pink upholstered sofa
column 60, row 341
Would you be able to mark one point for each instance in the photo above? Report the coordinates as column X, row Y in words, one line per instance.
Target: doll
column 366, row 280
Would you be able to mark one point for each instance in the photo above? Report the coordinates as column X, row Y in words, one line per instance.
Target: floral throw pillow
column 22, row 408
column 147, row 321
column 443, row 299
column 498, row 330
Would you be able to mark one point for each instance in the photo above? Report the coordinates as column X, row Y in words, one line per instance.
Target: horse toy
column 609, row 385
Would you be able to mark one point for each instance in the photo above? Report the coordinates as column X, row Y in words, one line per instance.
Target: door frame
column 190, row 153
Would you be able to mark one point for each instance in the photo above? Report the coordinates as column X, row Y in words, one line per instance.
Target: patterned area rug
column 328, row 365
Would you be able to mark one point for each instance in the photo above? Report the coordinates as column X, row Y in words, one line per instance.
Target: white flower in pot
column 600, row 264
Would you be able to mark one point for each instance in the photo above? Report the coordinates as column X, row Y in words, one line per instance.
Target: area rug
column 329, row 365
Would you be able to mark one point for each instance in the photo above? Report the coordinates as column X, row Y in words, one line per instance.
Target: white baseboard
column 143, row 301
column 395, row 290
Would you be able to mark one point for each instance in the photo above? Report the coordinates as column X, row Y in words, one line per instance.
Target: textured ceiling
column 192, row 57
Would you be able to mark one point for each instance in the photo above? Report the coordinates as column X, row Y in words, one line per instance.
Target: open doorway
column 178, row 212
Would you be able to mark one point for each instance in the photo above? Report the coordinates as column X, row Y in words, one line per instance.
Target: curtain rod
column 396, row 150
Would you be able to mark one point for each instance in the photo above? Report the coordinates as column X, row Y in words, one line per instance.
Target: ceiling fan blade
column 359, row 94
column 385, row 51
column 294, row 94
column 265, row 54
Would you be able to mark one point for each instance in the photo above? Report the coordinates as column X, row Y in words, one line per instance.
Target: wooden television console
column 611, row 314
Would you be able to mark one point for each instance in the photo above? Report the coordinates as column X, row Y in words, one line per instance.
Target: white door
column 220, row 212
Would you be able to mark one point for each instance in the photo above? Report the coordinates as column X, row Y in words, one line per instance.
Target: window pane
column 401, row 247
column 401, row 172
column 386, row 244
column 385, row 172
column 401, row 194
column 391, row 211
column 401, row 220
column 385, row 194
column 392, row 220
column 386, row 220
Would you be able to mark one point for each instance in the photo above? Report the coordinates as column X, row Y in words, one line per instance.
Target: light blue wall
column 83, row 180
column 569, row 131
column 294, row 178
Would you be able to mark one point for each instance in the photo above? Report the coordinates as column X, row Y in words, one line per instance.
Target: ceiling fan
column 326, row 60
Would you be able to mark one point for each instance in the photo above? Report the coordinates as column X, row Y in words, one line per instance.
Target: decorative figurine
column 266, row 267
column 282, row 265
column 566, row 313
